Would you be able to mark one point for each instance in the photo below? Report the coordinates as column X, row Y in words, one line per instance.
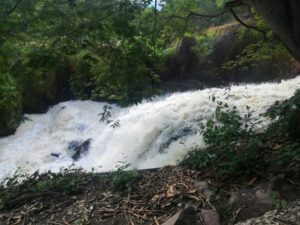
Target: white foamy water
column 151, row 134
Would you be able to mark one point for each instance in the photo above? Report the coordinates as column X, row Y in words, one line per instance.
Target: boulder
column 186, row 216
column 204, row 188
column 210, row 217
column 79, row 148
column 264, row 201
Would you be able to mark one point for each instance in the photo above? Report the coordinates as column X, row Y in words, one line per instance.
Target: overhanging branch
column 14, row 8
column 247, row 25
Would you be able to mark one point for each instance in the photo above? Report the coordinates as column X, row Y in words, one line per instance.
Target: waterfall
column 151, row 134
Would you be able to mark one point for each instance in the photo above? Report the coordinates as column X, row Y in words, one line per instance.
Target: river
column 151, row 134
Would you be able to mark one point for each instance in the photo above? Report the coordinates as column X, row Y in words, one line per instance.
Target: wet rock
column 203, row 188
column 208, row 193
column 175, row 135
column 79, row 148
column 243, row 200
column 263, row 202
column 287, row 216
column 56, row 155
column 210, row 217
column 186, row 216
column 234, row 198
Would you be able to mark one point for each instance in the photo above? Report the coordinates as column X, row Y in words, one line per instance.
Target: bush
column 257, row 56
column 286, row 123
column 286, row 117
column 233, row 150
column 121, row 180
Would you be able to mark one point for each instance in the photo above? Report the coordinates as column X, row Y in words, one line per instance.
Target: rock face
column 183, row 61
column 287, row 216
column 189, row 62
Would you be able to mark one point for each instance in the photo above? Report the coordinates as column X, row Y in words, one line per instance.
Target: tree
column 284, row 18
column 282, row 15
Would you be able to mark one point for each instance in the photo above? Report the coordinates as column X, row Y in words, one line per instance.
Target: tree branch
column 199, row 15
column 14, row 8
column 155, row 23
column 247, row 25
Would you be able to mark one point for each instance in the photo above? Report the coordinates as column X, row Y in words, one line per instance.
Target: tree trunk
column 284, row 18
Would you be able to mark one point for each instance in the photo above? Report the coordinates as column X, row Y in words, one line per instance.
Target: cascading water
column 151, row 134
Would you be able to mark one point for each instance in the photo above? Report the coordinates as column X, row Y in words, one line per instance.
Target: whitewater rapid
column 151, row 134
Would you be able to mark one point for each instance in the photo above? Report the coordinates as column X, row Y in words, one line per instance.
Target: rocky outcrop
column 206, row 66
column 287, row 216
column 183, row 61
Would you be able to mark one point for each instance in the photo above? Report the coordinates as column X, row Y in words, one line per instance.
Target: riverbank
column 155, row 197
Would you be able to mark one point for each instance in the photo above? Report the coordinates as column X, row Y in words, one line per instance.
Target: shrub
column 233, row 150
column 121, row 180
column 286, row 117
column 286, row 123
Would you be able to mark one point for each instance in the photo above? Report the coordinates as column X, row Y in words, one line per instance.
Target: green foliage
column 110, row 49
column 66, row 182
column 122, row 179
column 233, row 148
column 126, row 73
column 10, row 102
column 226, row 127
column 290, row 155
column 204, row 44
column 259, row 54
column 286, row 123
column 286, row 117
column 81, row 80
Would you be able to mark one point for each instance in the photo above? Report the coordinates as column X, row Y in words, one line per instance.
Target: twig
column 64, row 220
column 126, row 216
column 156, row 222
